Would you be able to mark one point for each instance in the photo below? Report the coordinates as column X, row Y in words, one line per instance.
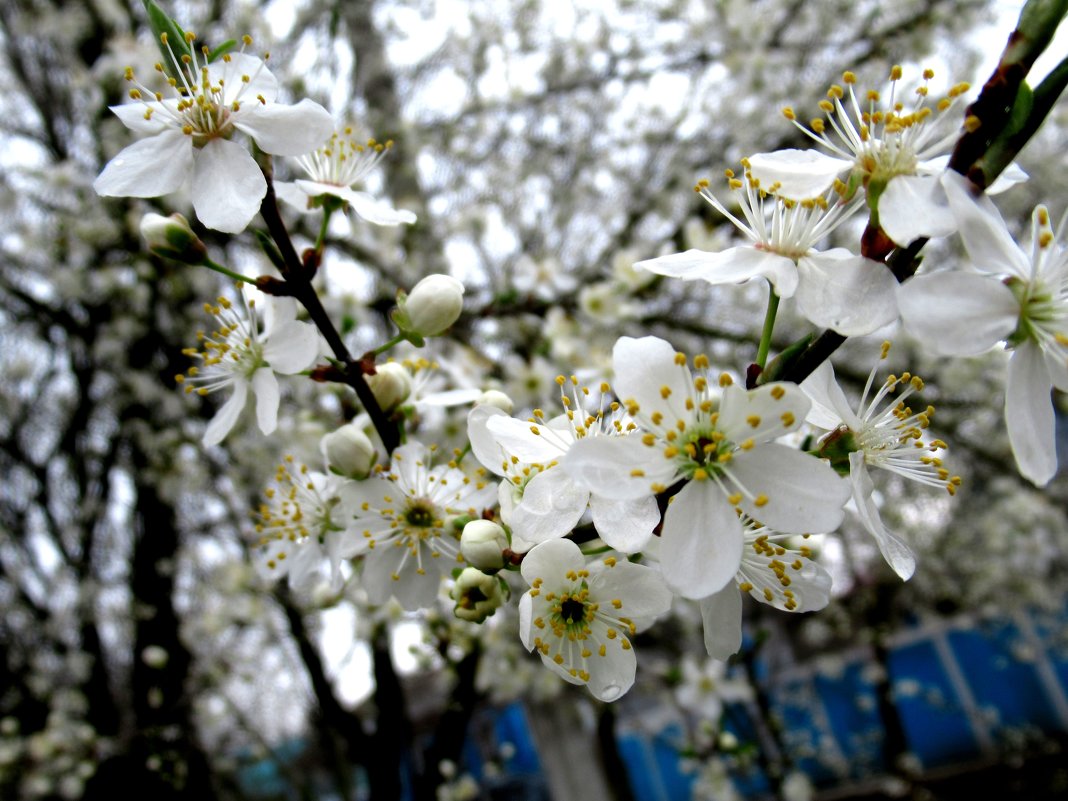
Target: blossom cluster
column 670, row 481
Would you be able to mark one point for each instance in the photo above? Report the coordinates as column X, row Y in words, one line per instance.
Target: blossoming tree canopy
column 524, row 413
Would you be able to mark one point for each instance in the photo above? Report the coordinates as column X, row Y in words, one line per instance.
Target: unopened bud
column 476, row 594
column 432, row 306
column 349, row 452
column 497, row 399
column 172, row 238
column 482, row 544
column 391, row 385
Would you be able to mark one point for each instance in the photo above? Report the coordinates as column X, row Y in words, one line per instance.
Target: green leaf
column 270, row 249
column 1021, row 110
column 222, row 50
column 164, row 27
column 781, row 363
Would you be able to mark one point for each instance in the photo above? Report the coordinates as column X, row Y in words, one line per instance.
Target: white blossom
column 540, row 501
column 881, row 432
column 719, row 447
column 773, row 572
column 834, row 288
column 239, row 355
column 1019, row 296
column 405, row 517
column 304, row 520
column 580, row 617
column 190, row 138
column 895, row 151
column 333, row 170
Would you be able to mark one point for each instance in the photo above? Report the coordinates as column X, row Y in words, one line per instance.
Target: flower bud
column 477, row 595
column 432, row 306
column 172, row 238
column 497, row 399
column 349, row 452
column 391, row 385
column 482, row 544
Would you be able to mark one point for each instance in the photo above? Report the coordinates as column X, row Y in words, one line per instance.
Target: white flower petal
column 645, row 371
column 227, row 186
column 291, row 347
column 483, row 444
column 914, row 206
column 640, row 589
column 625, row 525
column 732, row 266
column 764, row 413
column 895, row 550
column 804, row 495
column 957, row 314
column 551, row 506
column 265, row 388
column 830, row 407
column 1029, row 415
column 701, row 542
column 526, row 617
column 721, row 614
column 278, row 311
column 551, row 561
column 986, row 238
column 848, row 294
column 286, row 130
column 290, row 193
column 607, row 466
column 613, row 674
column 801, row 174
column 227, row 415
column 374, row 210
column 1010, row 176
column 133, row 116
column 450, row 397
column 518, row 439
column 150, row 167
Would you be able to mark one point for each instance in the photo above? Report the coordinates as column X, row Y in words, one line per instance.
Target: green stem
column 228, row 273
column 769, row 327
column 595, row 551
column 401, row 337
column 460, row 456
column 321, row 239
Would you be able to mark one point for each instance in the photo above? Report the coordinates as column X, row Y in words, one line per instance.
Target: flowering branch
column 296, row 282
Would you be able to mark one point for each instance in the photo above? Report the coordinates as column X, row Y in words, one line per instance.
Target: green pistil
column 419, row 516
column 1036, row 309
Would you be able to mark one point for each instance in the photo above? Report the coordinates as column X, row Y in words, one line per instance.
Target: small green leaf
column 222, row 50
column 1021, row 110
column 782, row 363
column 164, row 27
column 269, row 248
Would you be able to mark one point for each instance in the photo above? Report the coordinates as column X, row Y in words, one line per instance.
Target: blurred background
column 545, row 147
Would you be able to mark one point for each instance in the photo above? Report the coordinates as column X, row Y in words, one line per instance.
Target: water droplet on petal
column 610, row 692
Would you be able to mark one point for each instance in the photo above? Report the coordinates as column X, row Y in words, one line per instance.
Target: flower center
column 421, row 514
column 344, row 161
